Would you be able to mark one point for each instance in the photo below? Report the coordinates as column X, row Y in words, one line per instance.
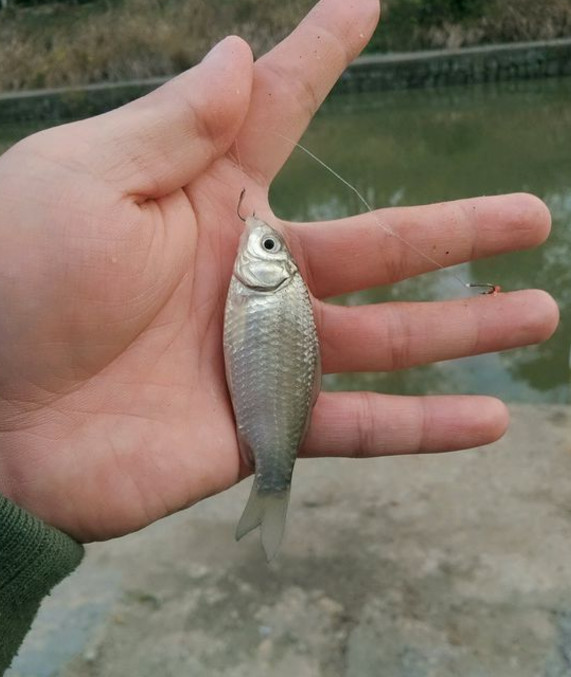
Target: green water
column 415, row 147
column 406, row 148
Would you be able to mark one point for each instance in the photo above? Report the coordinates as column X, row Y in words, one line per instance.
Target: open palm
column 118, row 236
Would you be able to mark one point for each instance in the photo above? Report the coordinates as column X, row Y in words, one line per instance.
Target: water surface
column 415, row 147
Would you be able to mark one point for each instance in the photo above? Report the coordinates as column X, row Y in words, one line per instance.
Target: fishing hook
column 488, row 287
column 242, row 193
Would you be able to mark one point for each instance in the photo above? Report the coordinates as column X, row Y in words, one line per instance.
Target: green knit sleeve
column 33, row 558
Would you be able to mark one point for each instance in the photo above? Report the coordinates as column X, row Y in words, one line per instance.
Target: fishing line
column 486, row 286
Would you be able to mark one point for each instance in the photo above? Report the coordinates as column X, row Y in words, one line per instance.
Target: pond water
column 413, row 147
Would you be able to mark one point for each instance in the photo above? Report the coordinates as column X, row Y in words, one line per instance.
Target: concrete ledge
column 68, row 103
column 377, row 72
column 473, row 65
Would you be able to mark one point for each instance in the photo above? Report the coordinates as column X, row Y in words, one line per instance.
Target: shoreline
column 368, row 73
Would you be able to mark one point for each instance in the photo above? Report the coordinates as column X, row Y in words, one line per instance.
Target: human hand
column 118, row 235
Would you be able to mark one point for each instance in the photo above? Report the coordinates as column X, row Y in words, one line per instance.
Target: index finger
column 292, row 80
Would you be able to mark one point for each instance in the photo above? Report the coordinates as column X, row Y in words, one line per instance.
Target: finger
column 291, row 81
column 357, row 253
column 160, row 142
column 393, row 336
column 368, row 424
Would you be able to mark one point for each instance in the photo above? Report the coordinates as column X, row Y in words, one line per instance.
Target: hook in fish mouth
column 242, row 193
column 240, row 200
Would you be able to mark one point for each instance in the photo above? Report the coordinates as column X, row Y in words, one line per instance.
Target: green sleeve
column 33, row 558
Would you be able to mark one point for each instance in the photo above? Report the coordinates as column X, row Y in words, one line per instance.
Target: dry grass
column 408, row 25
column 60, row 44
column 57, row 45
column 529, row 20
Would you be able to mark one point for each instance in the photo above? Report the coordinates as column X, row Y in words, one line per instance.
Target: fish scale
column 275, row 353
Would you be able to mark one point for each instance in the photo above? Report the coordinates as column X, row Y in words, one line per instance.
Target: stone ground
column 413, row 566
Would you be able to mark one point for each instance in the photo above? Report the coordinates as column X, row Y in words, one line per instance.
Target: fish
column 273, row 371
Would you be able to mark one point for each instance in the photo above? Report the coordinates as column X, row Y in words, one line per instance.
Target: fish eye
column 270, row 244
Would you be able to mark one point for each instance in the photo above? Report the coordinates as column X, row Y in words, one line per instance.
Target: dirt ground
column 425, row 566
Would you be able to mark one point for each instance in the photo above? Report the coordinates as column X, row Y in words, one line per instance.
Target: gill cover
column 263, row 262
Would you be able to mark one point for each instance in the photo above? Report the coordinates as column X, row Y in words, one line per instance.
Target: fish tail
column 267, row 510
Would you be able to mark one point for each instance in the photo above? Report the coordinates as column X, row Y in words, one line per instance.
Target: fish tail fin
column 267, row 510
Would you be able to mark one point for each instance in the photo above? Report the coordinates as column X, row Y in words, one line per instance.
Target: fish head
column 264, row 263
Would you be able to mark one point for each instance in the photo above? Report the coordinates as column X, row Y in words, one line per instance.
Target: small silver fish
column 273, row 372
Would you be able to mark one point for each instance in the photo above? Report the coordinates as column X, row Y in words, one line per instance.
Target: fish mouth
column 261, row 288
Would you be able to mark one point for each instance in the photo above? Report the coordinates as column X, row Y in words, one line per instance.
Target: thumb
column 163, row 140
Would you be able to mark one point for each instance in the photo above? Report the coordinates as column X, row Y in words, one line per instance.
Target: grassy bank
column 58, row 44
